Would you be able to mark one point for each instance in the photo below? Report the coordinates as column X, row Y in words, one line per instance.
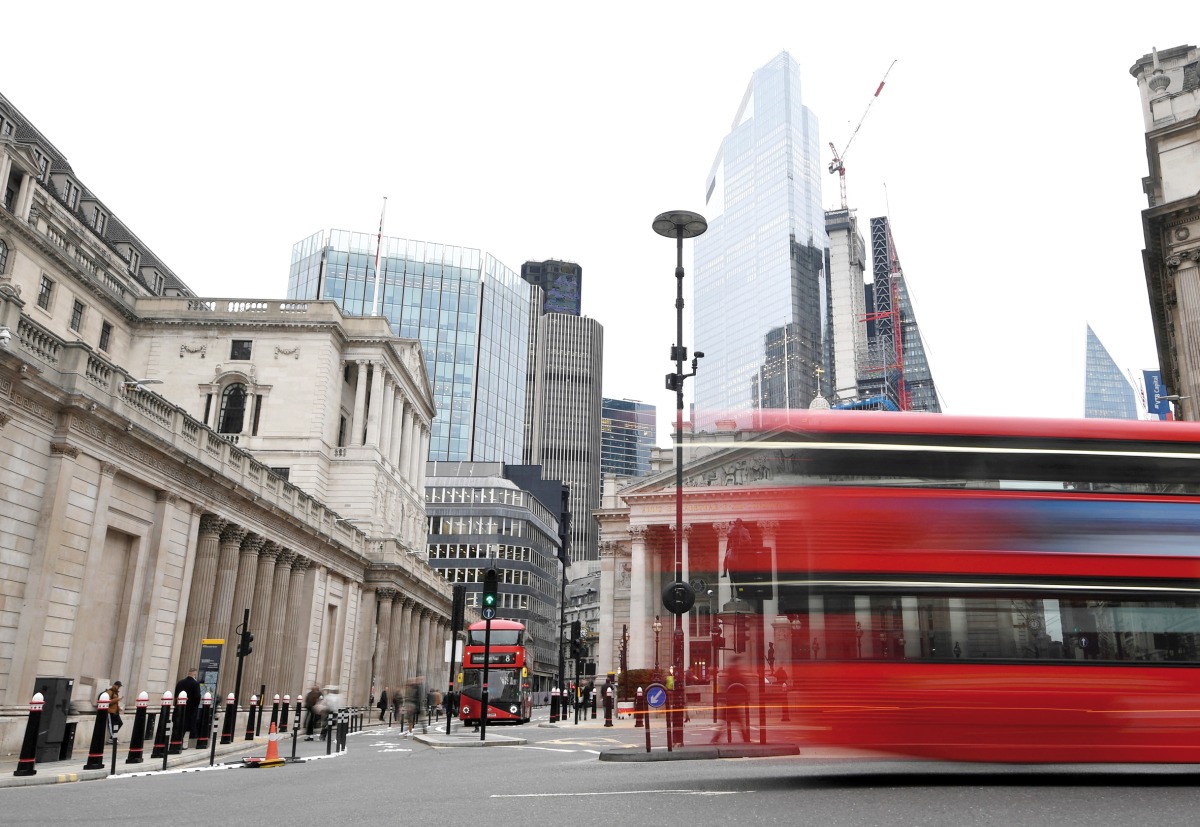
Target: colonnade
column 408, row 642
column 390, row 421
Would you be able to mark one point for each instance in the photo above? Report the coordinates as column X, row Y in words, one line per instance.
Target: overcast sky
column 1007, row 147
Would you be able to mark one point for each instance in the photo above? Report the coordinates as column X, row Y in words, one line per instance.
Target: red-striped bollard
column 96, row 749
column 230, row 719
column 283, row 713
column 25, row 766
column 275, row 711
column 250, row 718
column 204, row 722
column 177, row 727
column 137, row 741
column 638, row 708
column 160, row 734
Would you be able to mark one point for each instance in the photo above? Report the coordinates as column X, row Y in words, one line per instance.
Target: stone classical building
column 167, row 462
column 1169, row 84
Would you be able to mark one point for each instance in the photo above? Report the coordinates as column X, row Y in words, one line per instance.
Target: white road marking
column 625, row 792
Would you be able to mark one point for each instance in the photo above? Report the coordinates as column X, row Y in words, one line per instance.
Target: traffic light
column 577, row 650
column 718, row 635
column 244, row 648
column 491, row 584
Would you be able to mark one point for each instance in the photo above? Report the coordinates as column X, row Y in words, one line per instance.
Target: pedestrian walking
column 114, row 708
column 189, row 684
column 383, row 703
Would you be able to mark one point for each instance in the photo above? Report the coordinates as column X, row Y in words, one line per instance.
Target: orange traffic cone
column 272, row 759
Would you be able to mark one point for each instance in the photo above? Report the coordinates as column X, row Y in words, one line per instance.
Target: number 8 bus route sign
column 656, row 696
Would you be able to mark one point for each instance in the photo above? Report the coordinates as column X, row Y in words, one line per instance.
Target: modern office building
column 895, row 373
column 1169, row 84
column 563, row 405
column 561, row 283
column 1107, row 394
column 469, row 312
column 168, row 462
column 627, row 436
column 488, row 513
column 761, row 291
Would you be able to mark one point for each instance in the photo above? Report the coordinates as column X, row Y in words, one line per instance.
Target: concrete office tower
column 761, row 292
column 1107, row 394
column 627, row 434
column 467, row 309
column 563, row 399
column 1169, row 83
column 846, row 264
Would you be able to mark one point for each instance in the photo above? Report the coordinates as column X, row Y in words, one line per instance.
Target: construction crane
column 837, row 164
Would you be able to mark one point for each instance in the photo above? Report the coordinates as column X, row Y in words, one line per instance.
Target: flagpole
column 378, row 251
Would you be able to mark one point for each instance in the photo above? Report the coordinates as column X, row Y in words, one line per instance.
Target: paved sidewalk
column 227, row 755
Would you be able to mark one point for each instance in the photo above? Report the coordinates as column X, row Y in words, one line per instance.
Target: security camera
column 699, row 354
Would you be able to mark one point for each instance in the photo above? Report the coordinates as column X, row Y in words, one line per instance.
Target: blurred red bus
column 973, row 588
column 510, row 699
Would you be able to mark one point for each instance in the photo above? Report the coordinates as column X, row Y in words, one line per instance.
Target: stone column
column 243, row 598
column 260, row 616
column 406, row 442
column 295, row 633
column 222, row 608
column 383, row 627
column 422, row 460
column 272, row 673
column 423, row 645
column 608, row 656
column 396, row 425
column 639, row 617
column 204, row 578
column 24, row 197
column 360, row 405
column 385, row 418
column 396, row 640
column 412, row 627
column 374, row 411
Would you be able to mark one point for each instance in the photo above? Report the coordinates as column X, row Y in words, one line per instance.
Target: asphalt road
column 556, row 777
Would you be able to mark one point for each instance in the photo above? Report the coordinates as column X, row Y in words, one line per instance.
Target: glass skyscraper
column 627, row 434
column 1107, row 393
column 761, row 290
column 469, row 311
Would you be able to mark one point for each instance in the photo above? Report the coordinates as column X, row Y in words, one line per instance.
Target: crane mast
column 838, row 163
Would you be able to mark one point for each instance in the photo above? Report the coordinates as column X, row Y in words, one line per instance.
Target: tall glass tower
column 1107, row 394
column 627, row 430
column 470, row 313
column 760, row 285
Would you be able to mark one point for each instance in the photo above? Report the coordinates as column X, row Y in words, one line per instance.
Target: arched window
column 3, row 255
column 233, row 409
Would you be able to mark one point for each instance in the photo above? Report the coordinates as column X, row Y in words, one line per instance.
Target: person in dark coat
column 310, row 704
column 383, row 703
column 192, row 687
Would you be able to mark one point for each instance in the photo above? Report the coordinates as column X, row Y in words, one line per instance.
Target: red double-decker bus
column 510, row 699
column 971, row 588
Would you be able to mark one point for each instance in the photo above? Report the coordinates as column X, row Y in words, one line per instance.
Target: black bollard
column 212, row 740
column 328, row 732
column 166, row 738
column 283, row 713
column 608, row 707
column 250, row 718
column 230, row 719
column 96, row 748
column 177, row 727
column 25, row 765
column 160, row 734
column 637, row 709
column 203, row 721
column 554, row 706
column 593, row 706
column 137, row 741
column 295, row 732
column 275, row 713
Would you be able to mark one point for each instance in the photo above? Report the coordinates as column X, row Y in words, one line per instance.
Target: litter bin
column 68, row 741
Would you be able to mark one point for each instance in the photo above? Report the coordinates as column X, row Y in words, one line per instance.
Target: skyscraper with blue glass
column 1107, row 393
column 761, row 289
column 469, row 311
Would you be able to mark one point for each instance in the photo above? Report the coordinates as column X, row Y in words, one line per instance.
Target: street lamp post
column 679, row 224
column 657, row 630
column 624, row 689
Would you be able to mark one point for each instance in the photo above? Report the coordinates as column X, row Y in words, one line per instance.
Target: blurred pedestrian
column 734, row 704
column 311, row 699
column 383, row 703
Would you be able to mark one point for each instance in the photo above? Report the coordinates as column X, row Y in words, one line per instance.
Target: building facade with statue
column 168, row 462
